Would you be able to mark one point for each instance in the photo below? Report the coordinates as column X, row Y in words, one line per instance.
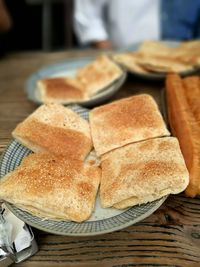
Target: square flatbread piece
column 98, row 75
column 52, row 187
column 59, row 90
column 57, row 129
column 125, row 121
column 142, row 172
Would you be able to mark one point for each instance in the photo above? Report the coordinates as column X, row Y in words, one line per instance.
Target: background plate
column 102, row 220
column 69, row 68
column 152, row 75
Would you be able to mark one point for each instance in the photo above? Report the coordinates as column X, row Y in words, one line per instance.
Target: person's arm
column 89, row 24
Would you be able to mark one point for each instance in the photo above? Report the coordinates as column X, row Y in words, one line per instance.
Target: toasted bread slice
column 57, row 129
column 52, row 187
column 125, row 121
column 59, row 90
column 98, row 75
column 142, row 172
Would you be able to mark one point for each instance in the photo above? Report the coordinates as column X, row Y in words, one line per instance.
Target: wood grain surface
column 169, row 237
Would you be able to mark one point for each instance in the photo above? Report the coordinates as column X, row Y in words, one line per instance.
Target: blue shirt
column 180, row 19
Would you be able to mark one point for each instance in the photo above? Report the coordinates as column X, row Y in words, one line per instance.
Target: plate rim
column 114, row 229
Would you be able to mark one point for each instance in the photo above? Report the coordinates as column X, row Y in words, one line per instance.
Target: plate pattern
column 13, row 156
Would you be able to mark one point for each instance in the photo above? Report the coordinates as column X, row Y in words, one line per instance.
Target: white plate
column 154, row 75
column 102, row 220
column 69, row 68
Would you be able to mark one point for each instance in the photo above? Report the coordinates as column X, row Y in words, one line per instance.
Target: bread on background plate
column 129, row 61
column 156, row 57
column 98, row 75
column 88, row 81
column 63, row 90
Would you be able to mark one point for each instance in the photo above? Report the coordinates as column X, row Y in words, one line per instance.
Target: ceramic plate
column 69, row 68
column 153, row 75
column 102, row 220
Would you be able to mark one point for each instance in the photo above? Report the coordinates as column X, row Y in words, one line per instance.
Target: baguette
column 183, row 102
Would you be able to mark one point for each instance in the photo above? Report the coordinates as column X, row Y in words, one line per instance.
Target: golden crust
column 52, row 187
column 97, row 75
column 184, row 115
column 56, row 129
column 141, row 172
column 125, row 121
column 60, row 90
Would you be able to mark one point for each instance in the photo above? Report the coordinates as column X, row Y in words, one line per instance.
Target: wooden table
column 169, row 237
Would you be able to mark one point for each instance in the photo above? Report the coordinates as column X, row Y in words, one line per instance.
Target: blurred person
column 120, row 23
column 5, row 18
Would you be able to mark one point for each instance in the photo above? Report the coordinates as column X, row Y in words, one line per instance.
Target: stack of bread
column 54, row 182
column 158, row 57
column 138, row 161
column 87, row 82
